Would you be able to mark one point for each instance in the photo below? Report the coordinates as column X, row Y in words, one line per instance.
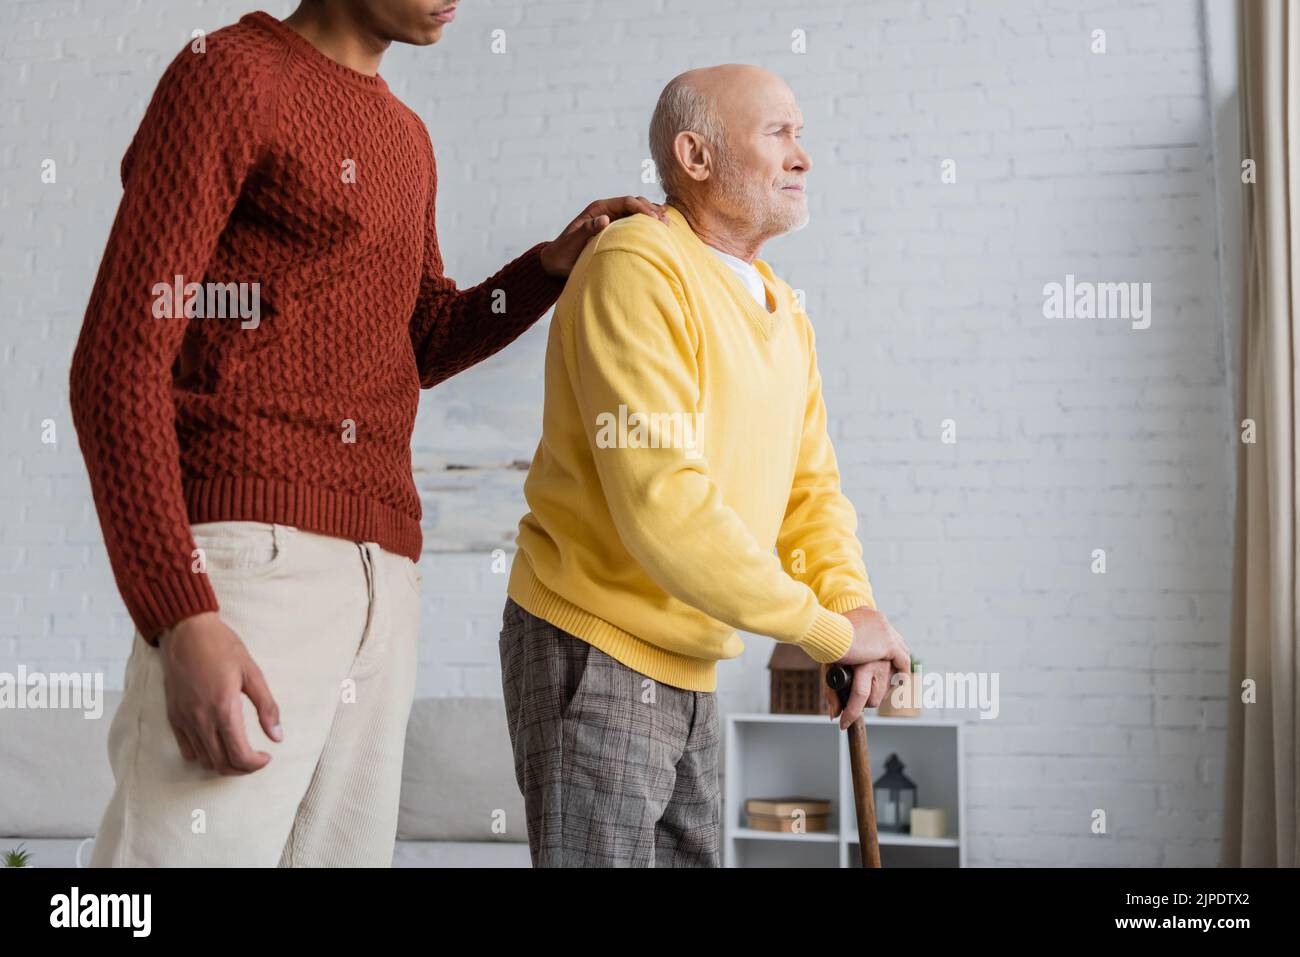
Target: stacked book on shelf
column 793, row 815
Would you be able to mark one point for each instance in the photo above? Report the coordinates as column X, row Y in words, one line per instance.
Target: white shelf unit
column 772, row 755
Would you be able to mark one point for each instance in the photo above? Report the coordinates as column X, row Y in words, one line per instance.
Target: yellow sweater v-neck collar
column 764, row 319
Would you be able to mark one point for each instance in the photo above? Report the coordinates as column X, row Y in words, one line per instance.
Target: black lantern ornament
column 895, row 795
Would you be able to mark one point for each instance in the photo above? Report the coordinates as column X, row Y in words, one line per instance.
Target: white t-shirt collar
column 748, row 274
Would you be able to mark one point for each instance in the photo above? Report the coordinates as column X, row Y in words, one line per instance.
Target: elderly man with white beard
column 646, row 548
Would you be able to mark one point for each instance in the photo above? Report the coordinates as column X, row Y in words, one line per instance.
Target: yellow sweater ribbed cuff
column 848, row 601
column 829, row 637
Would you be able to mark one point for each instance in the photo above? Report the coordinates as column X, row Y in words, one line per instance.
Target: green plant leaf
column 17, row 857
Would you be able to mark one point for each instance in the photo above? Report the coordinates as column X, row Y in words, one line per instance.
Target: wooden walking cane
column 840, row 680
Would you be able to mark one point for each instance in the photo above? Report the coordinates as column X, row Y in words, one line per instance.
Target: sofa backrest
column 54, row 774
column 457, row 780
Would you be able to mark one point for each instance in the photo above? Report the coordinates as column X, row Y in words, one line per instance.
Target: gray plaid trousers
column 616, row 770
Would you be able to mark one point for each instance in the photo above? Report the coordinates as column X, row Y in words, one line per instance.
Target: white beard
column 755, row 204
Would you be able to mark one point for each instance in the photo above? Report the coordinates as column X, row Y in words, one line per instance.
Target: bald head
column 735, row 86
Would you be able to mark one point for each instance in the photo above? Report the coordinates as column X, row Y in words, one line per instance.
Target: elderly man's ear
column 693, row 154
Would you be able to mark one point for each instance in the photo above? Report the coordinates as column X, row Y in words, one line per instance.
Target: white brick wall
column 1072, row 435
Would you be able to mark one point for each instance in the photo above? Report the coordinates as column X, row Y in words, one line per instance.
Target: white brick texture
column 1072, row 434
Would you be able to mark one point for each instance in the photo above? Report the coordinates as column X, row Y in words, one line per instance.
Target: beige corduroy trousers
column 333, row 625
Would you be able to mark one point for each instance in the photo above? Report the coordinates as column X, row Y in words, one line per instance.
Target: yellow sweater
column 684, row 486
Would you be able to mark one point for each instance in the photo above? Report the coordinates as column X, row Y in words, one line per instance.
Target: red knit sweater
column 262, row 161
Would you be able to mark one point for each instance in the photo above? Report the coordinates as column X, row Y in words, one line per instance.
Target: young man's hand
column 559, row 255
column 206, row 671
column 876, row 653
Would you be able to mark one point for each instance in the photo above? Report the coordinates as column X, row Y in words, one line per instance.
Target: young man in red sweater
column 252, row 468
